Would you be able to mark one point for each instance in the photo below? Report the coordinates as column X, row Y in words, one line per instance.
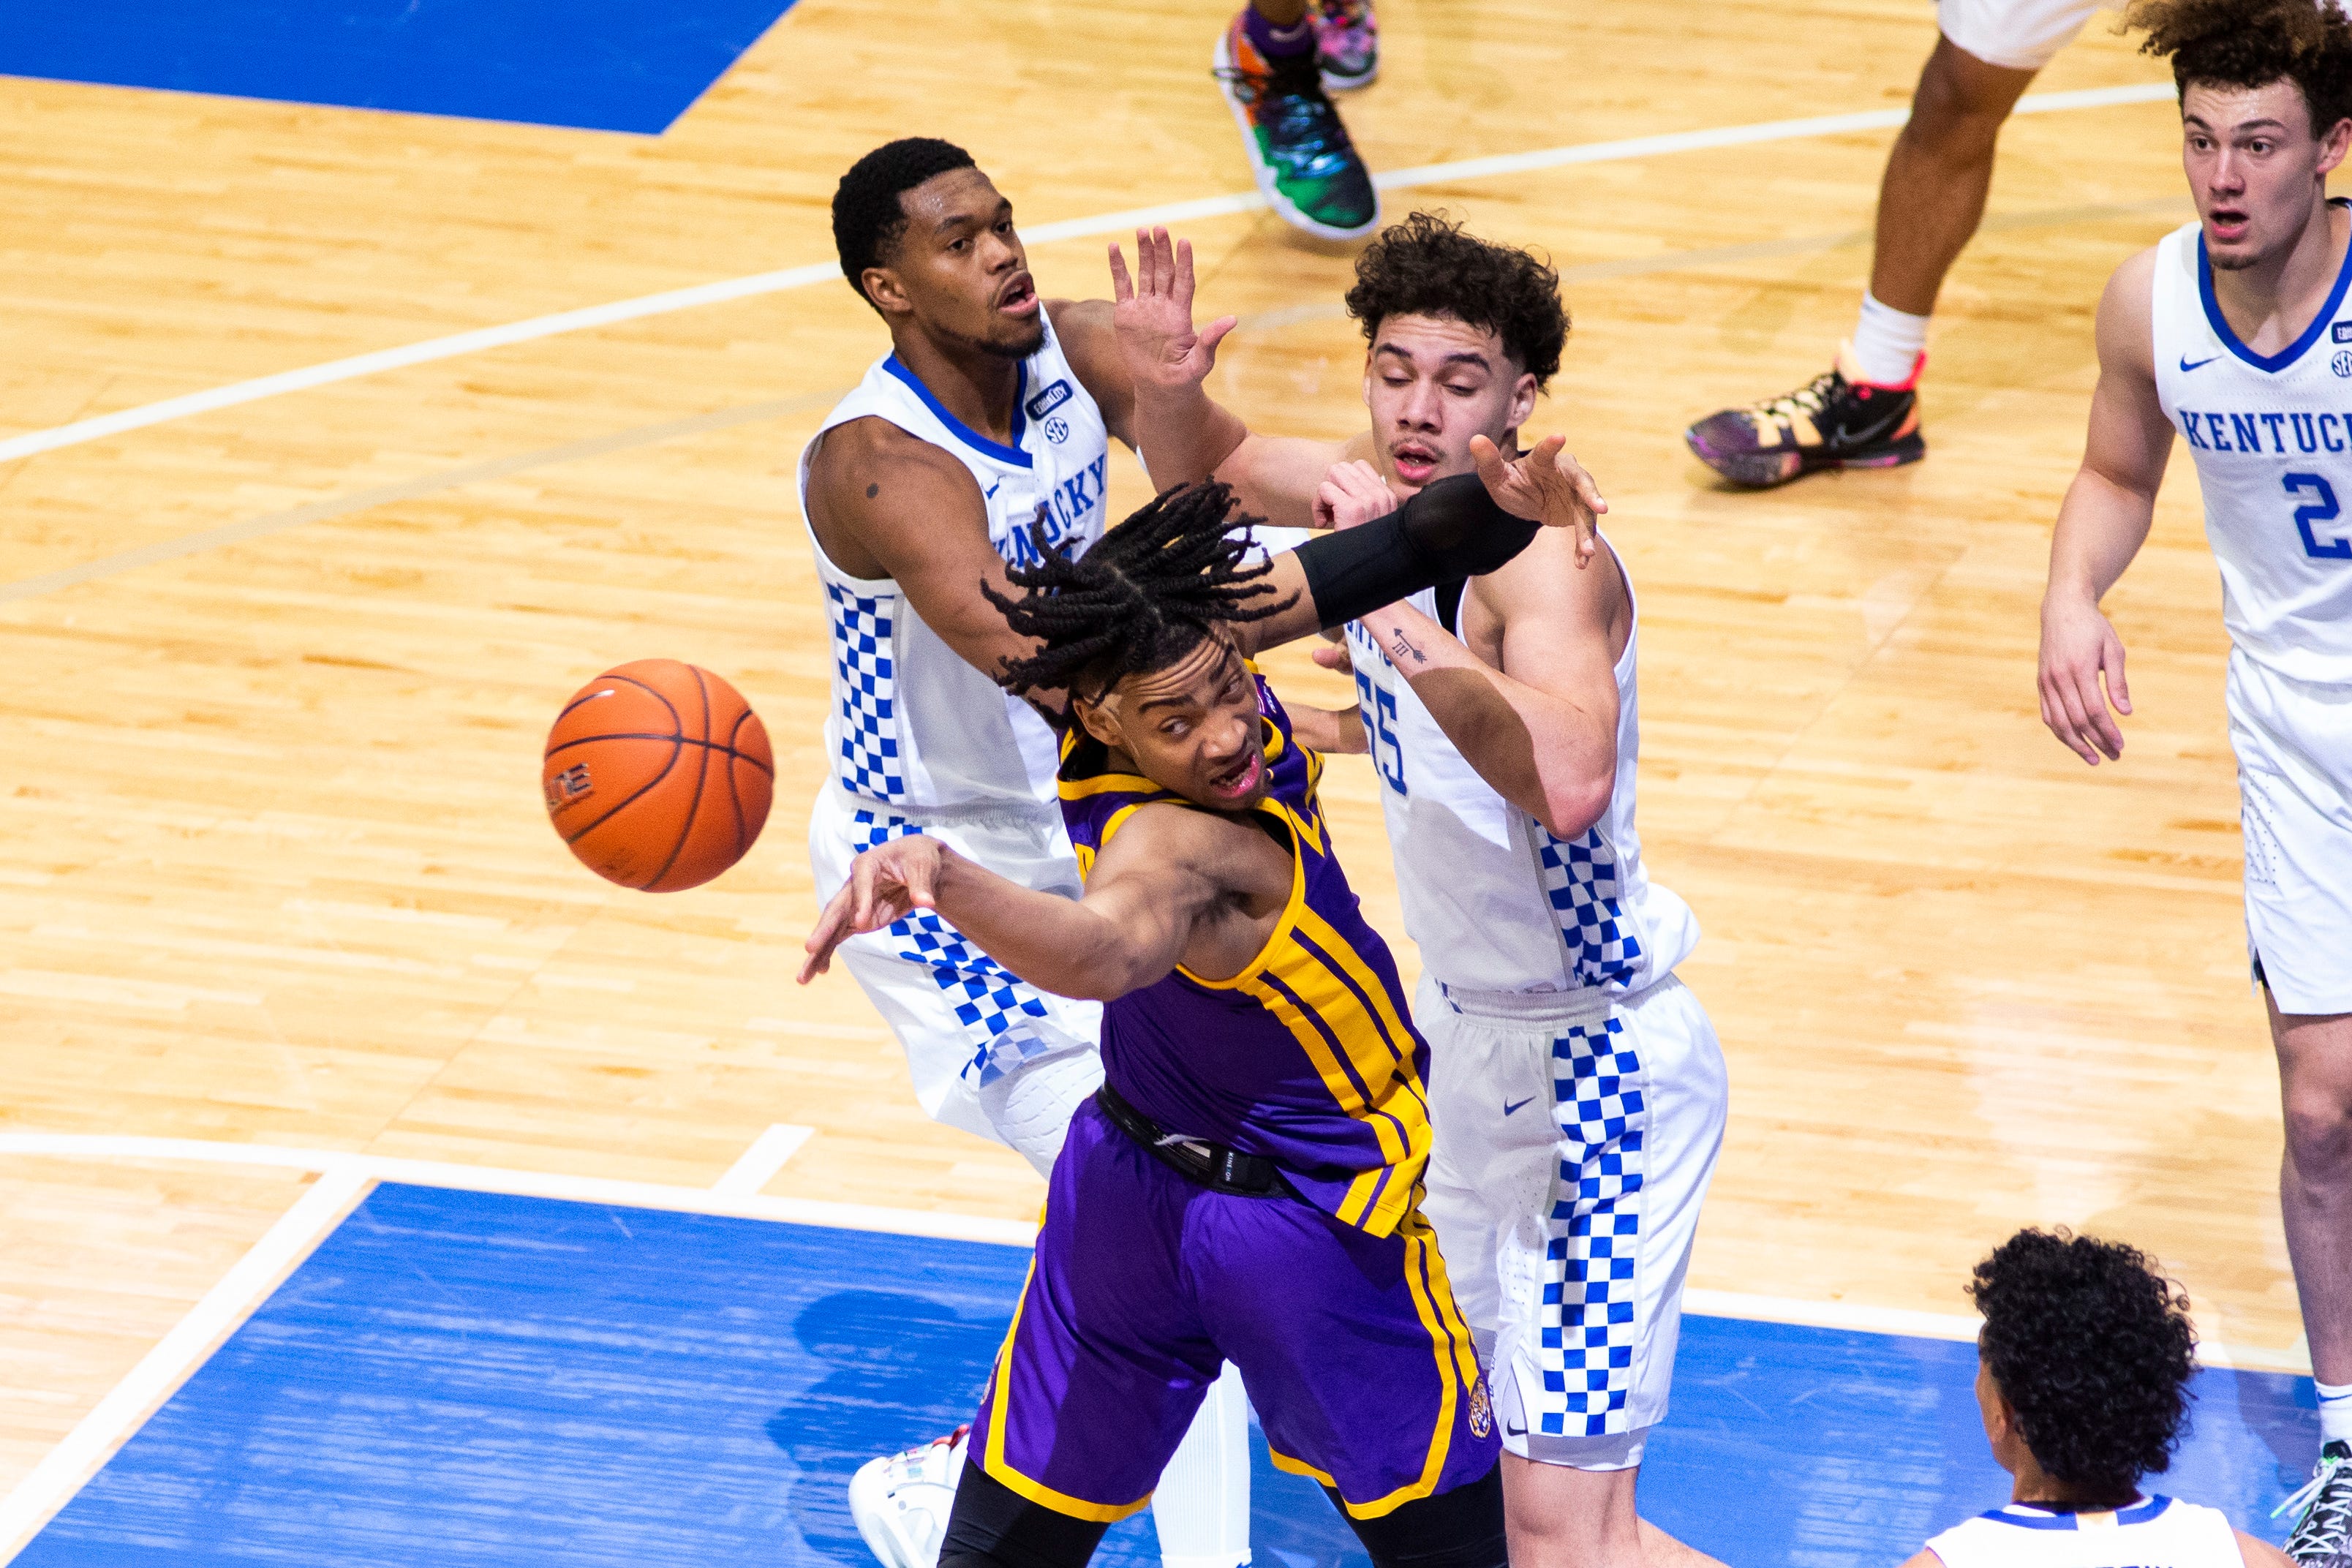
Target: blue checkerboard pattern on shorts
column 1580, row 878
column 1592, row 1282
column 994, row 1005
column 865, row 688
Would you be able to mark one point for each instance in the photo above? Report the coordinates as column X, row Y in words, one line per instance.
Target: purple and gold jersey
column 1308, row 1056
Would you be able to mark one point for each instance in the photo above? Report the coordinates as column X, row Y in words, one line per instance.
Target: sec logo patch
column 2342, row 364
column 1057, row 430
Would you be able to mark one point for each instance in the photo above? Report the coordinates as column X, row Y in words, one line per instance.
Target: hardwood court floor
column 272, row 862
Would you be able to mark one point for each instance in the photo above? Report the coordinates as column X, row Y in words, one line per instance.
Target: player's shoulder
column 2126, row 313
column 1543, row 582
column 1084, row 331
column 869, row 451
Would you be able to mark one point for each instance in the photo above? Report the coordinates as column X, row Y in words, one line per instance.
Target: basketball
column 658, row 775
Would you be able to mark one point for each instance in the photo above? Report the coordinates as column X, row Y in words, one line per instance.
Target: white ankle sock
column 2335, row 1411
column 1201, row 1506
column 1887, row 342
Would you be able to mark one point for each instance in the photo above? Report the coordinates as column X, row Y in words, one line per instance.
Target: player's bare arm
column 1332, row 731
column 1176, row 886
column 884, row 503
column 2102, row 522
column 1529, row 692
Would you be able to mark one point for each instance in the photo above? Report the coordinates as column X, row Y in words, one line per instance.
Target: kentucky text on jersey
column 2270, row 433
column 1308, row 1056
column 1072, row 508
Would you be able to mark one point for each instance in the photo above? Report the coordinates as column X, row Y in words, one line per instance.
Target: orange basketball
column 658, row 775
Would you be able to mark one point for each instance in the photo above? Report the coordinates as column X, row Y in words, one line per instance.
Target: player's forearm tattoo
column 1402, row 648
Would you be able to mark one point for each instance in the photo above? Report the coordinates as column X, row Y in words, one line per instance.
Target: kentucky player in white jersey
column 1577, row 1091
column 990, row 413
column 2082, row 1374
column 2234, row 334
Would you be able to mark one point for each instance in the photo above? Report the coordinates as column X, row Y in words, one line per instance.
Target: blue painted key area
column 601, row 65
column 459, row 1379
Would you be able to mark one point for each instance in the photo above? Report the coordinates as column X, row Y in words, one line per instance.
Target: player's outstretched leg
column 1863, row 413
column 1266, row 63
column 1347, row 44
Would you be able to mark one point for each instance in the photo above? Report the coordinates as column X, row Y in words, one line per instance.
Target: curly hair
column 1426, row 266
column 867, row 216
column 2092, row 1350
column 2252, row 43
column 1140, row 600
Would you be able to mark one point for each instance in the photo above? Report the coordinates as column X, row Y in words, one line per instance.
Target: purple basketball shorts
column 1353, row 1352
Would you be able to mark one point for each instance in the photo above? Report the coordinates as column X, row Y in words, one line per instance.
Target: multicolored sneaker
column 1838, row 422
column 1347, row 44
column 1305, row 164
column 900, row 1503
column 2323, row 1532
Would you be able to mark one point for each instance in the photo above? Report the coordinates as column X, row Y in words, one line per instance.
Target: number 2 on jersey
column 1379, row 721
column 2321, row 509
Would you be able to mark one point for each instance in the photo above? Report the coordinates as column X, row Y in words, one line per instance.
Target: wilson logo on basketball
column 568, row 787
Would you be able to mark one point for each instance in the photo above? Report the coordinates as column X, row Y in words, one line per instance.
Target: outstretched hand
column 886, row 885
column 1151, row 314
column 1544, row 486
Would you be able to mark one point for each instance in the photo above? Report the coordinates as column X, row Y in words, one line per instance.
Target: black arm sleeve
column 1452, row 528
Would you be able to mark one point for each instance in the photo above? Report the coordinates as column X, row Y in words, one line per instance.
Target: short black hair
column 2094, row 1350
column 1144, row 597
column 867, row 216
column 1426, row 266
column 2253, row 43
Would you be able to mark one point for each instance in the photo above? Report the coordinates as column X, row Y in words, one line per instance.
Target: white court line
column 759, row 1162
column 63, row 1470
column 589, row 318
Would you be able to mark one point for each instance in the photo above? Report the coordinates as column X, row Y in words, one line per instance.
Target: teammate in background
column 1278, row 62
column 2230, row 330
column 1245, row 1185
column 1862, row 413
column 992, row 411
column 1579, row 1094
column 2082, row 1376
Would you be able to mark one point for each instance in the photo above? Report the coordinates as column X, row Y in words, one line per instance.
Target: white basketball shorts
column 2022, row 35
column 989, row 1052
column 1574, row 1136
column 2294, row 743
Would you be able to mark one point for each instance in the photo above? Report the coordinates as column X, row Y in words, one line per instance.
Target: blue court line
column 458, row 1378
column 598, row 64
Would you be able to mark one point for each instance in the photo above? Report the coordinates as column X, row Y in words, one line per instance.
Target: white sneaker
column 900, row 1503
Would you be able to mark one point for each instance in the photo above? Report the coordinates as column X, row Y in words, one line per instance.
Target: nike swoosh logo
column 1515, row 1431
column 992, row 490
column 1509, row 1107
column 2207, row 360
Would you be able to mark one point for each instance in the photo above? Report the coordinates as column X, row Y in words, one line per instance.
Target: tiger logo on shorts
column 1482, row 1413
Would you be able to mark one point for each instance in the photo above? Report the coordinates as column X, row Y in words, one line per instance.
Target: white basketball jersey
column 912, row 725
column 2154, row 1533
column 1494, row 900
column 2271, row 436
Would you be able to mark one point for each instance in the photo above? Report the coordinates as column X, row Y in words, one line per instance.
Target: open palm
column 1152, row 313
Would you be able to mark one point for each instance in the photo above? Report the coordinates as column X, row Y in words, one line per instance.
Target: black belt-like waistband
column 1212, row 1165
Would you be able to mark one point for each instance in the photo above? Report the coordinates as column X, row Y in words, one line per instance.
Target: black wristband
column 1452, row 528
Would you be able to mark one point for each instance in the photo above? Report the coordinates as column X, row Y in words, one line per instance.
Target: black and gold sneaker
column 1837, row 422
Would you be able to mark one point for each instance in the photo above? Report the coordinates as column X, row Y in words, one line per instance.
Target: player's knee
column 1458, row 1529
column 1961, row 102
column 991, row 1526
column 2319, row 1133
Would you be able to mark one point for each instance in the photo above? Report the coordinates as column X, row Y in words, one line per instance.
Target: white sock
column 1887, row 342
column 2335, row 1411
column 1203, row 1505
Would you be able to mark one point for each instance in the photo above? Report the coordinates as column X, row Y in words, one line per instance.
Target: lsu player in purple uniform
column 1246, row 1186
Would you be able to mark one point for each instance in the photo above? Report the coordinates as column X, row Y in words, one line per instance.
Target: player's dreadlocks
column 1141, row 599
column 2252, row 43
